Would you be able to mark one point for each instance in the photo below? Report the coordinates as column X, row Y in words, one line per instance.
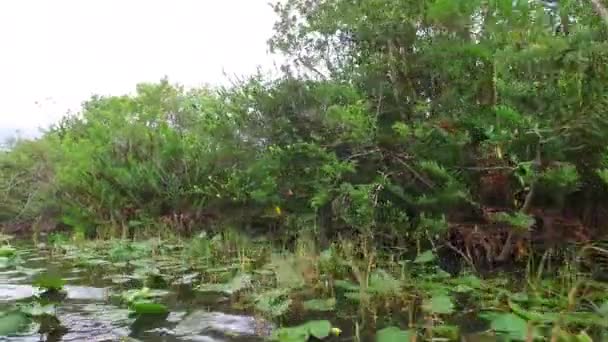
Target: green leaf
column 148, row 308
column 49, row 282
column 393, row 334
column 328, row 304
column 511, row 326
column 13, row 322
column 135, row 295
column 302, row 333
column 583, row 337
column 439, row 304
column 319, row 329
column 7, row 251
column 425, row 257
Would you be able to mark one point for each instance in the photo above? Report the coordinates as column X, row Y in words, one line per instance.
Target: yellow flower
column 278, row 210
column 335, row 331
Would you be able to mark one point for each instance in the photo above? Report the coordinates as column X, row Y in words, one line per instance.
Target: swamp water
column 97, row 278
column 90, row 313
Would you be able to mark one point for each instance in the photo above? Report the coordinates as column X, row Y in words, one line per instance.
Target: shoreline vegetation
column 444, row 158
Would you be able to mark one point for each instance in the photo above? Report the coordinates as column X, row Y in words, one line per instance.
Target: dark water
column 91, row 313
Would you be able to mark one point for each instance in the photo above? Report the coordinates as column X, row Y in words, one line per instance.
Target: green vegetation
column 410, row 155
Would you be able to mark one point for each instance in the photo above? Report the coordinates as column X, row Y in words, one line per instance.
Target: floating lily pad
column 13, row 322
column 7, row 251
column 439, row 304
column 393, row 334
column 425, row 257
column 302, row 333
column 149, row 308
column 49, row 282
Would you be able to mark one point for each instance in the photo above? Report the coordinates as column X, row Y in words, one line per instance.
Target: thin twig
column 466, row 258
column 417, row 175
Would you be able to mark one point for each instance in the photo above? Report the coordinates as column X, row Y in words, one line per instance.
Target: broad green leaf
column 13, row 322
column 425, row 257
column 439, row 304
column 49, row 282
column 134, row 295
column 7, row 251
column 511, row 326
column 583, row 337
column 302, row 333
column 149, row 308
column 318, row 329
column 393, row 334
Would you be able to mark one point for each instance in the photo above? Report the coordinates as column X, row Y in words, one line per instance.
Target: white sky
column 55, row 54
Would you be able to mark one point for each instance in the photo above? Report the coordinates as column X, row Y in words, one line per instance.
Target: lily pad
column 13, row 322
column 393, row 334
column 135, row 295
column 425, row 257
column 49, row 282
column 7, row 251
column 149, row 308
column 302, row 333
column 509, row 325
column 439, row 304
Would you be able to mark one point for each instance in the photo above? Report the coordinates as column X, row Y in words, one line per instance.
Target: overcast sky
column 55, row 54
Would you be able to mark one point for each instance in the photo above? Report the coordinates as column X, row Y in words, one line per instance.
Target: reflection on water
column 90, row 313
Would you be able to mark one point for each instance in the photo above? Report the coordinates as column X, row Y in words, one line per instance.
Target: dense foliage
column 466, row 123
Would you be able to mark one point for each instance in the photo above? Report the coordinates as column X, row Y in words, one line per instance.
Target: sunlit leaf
column 149, row 308
column 425, row 257
column 511, row 326
column 49, row 282
column 302, row 333
column 7, row 251
column 439, row 304
column 393, row 334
